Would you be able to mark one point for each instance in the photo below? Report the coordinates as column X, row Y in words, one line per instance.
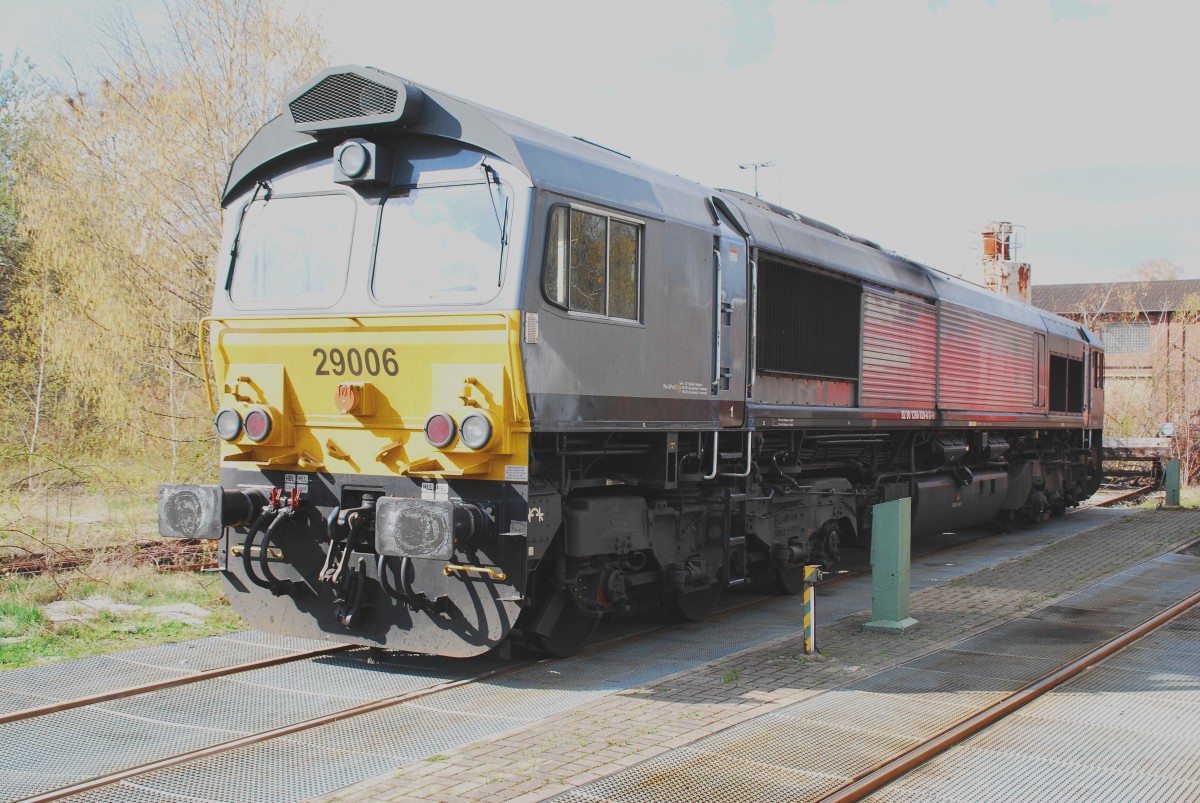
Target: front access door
column 730, row 328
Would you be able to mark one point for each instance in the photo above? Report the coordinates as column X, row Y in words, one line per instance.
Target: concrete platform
column 768, row 723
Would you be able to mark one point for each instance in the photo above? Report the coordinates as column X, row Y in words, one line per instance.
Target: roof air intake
column 350, row 97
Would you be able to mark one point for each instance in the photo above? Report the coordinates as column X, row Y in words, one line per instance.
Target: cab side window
column 593, row 263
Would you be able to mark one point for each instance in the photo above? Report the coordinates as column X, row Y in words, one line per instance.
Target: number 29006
column 356, row 363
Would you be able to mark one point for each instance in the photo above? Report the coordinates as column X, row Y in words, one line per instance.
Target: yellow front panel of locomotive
column 352, row 395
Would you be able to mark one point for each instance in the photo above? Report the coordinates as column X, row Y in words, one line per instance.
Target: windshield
column 293, row 252
column 440, row 245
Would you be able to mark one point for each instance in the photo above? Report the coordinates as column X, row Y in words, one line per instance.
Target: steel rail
column 183, row 680
column 1125, row 497
column 274, row 733
column 366, row 708
column 909, row 760
column 120, row 775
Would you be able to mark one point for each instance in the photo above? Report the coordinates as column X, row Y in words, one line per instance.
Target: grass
column 19, row 618
column 80, row 509
column 28, row 637
column 58, row 519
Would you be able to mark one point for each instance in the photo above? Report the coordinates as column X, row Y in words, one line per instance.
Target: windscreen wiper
column 490, row 175
column 265, row 188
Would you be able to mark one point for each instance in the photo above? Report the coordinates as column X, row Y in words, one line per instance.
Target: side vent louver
column 350, row 97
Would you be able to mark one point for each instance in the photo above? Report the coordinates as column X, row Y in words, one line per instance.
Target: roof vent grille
column 343, row 98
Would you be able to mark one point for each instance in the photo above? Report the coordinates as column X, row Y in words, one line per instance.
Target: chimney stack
column 1002, row 273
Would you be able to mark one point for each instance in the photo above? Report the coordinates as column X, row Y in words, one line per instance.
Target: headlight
column 257, row 425
column 228, row 424
column 439, row 430
column 476, row 431
column 353, row 158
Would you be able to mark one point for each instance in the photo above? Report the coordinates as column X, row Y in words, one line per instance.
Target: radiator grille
column 899, row 352
column 343, row 96
column 986, row 363
column 808, row 322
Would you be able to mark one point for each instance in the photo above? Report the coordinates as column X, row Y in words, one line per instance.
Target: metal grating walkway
column 72, row 746
column 25, row 688
column 1127, row 731
column 322, row 760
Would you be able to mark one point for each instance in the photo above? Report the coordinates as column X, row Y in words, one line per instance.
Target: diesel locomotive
column 474, row 379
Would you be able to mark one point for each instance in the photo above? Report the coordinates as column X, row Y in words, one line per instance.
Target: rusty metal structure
column 1003, row 273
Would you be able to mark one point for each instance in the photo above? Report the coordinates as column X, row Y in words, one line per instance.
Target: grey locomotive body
column 717, row 389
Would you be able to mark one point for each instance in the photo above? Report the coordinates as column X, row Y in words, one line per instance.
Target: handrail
column 717, row 456
column 208, row 388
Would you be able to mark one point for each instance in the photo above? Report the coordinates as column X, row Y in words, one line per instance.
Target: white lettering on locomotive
column 687, row 388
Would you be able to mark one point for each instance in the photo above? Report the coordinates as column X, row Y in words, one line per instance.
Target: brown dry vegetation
column 1165, row 387
column 110, row 185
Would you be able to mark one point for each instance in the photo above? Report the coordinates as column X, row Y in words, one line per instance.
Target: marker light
column 228, row 424
column 439, row 430
column 476, row 431
column 257, row 425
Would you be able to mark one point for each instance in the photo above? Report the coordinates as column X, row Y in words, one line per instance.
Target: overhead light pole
column 757, row 165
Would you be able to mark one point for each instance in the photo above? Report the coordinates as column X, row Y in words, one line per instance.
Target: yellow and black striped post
column 811, row 575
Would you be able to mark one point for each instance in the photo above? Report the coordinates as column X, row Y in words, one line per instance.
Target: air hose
column 268, row 514
column 276, row 585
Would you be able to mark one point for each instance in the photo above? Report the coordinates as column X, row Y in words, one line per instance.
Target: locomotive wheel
column 789, row 581
column 569, row 630
column 693, row 606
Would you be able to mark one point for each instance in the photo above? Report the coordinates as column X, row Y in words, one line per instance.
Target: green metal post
column 1171, row 483
column 891, row 530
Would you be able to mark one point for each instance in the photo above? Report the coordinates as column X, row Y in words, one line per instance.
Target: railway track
column 1123, row 496
column 117, row 775
column 171, row 759
column 146, row 688
column 163, row 761
column 181, row 555
column 926, row 750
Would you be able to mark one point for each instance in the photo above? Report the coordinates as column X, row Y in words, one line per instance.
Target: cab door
column 731, row 340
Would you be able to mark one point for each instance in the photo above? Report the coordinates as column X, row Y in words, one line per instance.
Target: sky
column 912, row 123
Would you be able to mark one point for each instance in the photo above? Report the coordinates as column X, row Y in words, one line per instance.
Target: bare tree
column 1163, row 385
column 1155, row 270
column 122, row 213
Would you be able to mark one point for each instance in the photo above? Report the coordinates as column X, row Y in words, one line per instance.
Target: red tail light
column 257, row 425
column 439, row 430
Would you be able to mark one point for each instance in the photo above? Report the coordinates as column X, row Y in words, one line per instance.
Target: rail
column 916, row 756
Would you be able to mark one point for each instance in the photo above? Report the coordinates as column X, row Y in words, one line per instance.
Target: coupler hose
column 276, row 585
column 402, row 590
column 268, row 514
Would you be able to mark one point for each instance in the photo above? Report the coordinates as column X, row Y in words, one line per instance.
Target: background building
column 1151, row 333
